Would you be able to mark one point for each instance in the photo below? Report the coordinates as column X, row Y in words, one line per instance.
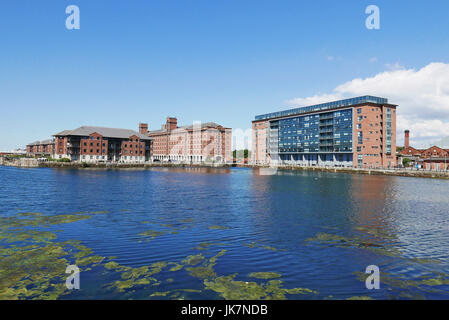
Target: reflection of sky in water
column 269, row 220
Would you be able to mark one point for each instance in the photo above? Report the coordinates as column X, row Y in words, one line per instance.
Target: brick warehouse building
column 358, row 132
column 433, row 158
column 43, row 148
column 195, row 143
column 94, row 144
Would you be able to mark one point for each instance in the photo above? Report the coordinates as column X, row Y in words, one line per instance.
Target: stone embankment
column 385, row 172
column 77, row 165
column 33, row 163
column 19, row 162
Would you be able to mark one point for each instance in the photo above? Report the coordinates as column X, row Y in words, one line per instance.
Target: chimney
column 172, row 123
column 407, row 139
column 143, row 128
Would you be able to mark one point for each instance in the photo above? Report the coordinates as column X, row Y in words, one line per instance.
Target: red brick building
column 100, row 144
column 196, row 143
column 43, row 148
column 433, row 158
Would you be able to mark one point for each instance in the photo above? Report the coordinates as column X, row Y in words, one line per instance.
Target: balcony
column 327, row 144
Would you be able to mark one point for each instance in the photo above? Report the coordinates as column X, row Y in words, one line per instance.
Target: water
column 316, row 230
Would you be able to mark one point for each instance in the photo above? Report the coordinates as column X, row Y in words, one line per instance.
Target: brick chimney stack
column 172, row 123
column 143, row 128
column 407, row 139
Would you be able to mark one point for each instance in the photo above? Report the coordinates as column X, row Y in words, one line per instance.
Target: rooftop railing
column 323, row 106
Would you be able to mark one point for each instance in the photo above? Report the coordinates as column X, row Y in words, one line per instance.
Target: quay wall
column 33, row 163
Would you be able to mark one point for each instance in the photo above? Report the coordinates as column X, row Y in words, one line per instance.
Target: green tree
column 406, row 162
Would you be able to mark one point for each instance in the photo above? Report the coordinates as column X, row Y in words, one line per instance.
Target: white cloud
column 330, row 58
column 373, row 60
column 422, row 96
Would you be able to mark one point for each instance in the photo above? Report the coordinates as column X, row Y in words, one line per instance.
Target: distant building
column 15, row 152
column 45, row 148
column 433, row 158
column 196, row 143
column 358, row 132
column 98, row 144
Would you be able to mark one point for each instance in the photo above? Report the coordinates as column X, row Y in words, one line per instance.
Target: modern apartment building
column 358, row 132
column 97, row 144
column 196, row 143
column 45, row 148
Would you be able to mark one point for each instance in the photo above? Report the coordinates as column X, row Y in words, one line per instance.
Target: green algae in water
column 112, row 265
column 35, row 268
column 177, row 267
column 230, row 289
column 151, row 234
column 33, row 273
column 203, row 272
column 213, row 260
column 40, row 220
column 99, row 212
column 264, row 275
column 207, row 245
column 206, row 270
column 160, row 294
column 193, row 260
column 218, row 228
column 261, row 246
column 84, row 252
column 355, row 242
column 91, row 260
column 360, row 298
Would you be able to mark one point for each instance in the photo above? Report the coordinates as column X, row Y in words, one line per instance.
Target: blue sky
column 203, row 60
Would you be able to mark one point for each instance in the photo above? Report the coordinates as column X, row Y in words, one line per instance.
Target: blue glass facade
column 319, row 133
column 350, row 132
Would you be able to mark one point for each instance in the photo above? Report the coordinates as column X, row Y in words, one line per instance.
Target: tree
column 406, row 162
column 239, row 154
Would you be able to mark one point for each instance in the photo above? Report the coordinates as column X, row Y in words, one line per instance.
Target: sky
column 224, row 61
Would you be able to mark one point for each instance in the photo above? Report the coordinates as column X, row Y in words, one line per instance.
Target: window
column 359, row 111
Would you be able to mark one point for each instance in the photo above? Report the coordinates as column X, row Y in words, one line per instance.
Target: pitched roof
column 37, row 143
column 189, row 127
column 105, row 132
column 410, row 151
